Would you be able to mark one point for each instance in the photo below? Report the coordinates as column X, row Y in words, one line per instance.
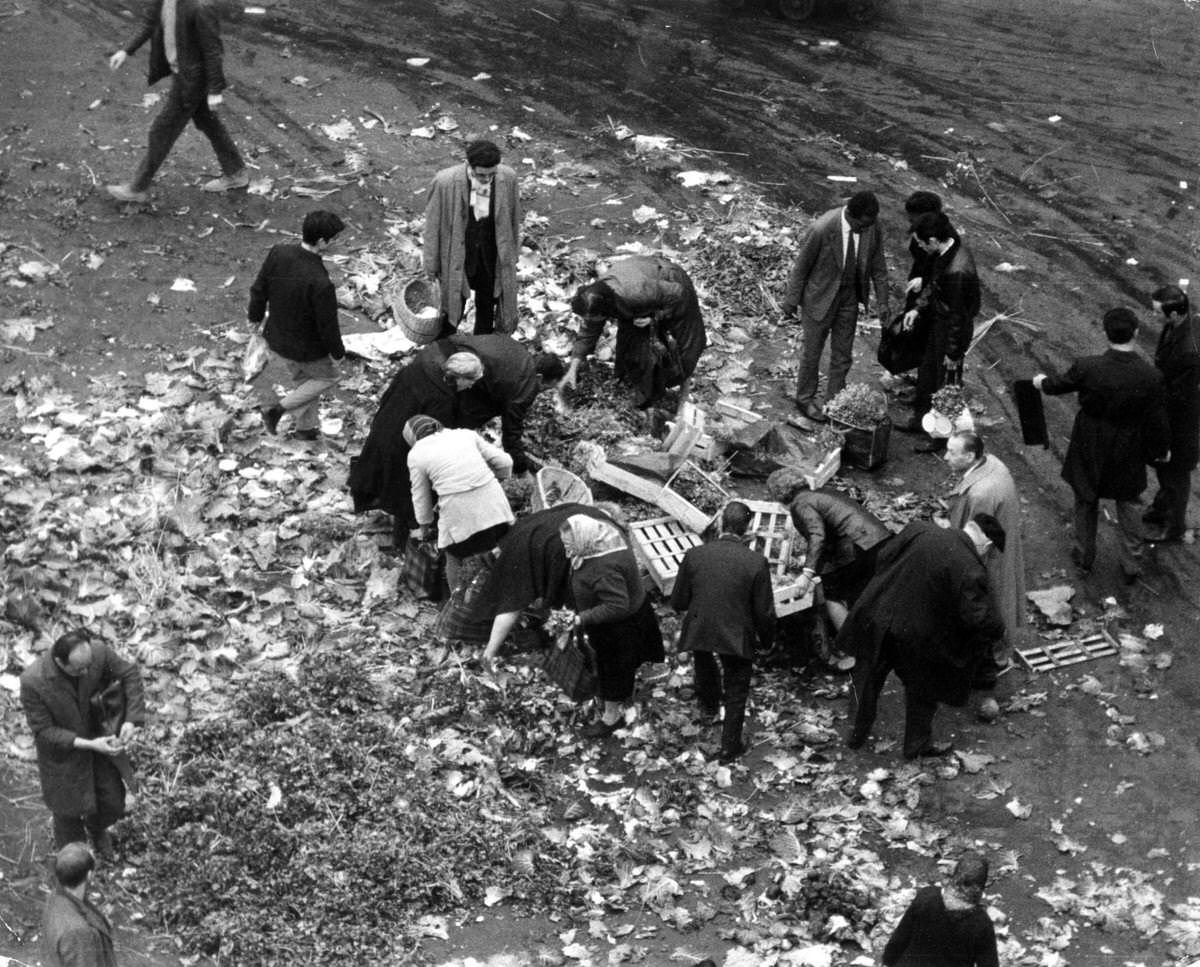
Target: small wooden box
column 865, row 447
column 824, row 471
column 772, row 535
column 660, row 544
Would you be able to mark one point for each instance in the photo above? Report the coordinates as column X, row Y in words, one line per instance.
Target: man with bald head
column 74, row 931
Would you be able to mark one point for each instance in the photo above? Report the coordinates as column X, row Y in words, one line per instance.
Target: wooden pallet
column 1068, row 651
column 660, row 544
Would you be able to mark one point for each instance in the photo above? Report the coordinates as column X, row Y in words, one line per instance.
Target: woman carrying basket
column 613, row 610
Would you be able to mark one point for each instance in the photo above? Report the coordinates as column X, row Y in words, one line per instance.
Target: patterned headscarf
column 586, row 537
column 419, row 427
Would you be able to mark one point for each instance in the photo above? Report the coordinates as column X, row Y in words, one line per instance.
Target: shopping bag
column 571, row 665
column 900, row 349
column 254, row 359
column 425, row 570
column 458, row 620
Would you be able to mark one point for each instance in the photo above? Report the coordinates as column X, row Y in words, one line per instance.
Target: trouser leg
column 312, row 380
column 707, row 681
column 165, row 130
column 736, row 673
column 868, row 680
column 209, row 123
column 841, row 347
column 68, row 829
column 918, row 723
column 812, row 344
column 1129, row 522
column 1087, row 516
column 483, row 284
column 1170, row 503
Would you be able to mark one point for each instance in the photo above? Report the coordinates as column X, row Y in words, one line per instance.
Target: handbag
column 424, row 570
column 254, row 359
column 900, row 349
column 571, row 665
column 457, row 621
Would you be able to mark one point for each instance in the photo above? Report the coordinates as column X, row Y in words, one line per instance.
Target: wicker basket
column 415, row 295
column 554, row 486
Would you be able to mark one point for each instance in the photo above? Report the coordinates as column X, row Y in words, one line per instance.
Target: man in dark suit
column 1121, row 425
column 185, row 45
column 75, row 933
column 81, row 782
column 725, row 589
column 841, row 253
column 928, row 616
column 1178, row 359
column 945, row 301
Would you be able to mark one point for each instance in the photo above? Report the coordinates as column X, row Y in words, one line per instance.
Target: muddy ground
column 1062, row 137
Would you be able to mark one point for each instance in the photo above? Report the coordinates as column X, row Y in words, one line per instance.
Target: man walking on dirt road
column 841, row 253
column 185, row 45
column 302, row 326
column 472, row 239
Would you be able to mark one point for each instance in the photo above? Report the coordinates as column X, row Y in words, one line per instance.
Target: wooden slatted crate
column 772, row 536
column 660, row 544
column 1067, row 651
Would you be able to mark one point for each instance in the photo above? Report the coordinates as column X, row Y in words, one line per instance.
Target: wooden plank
column 725, row 408
column 653, row 493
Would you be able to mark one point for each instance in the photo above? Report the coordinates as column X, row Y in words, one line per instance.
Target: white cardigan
column 460, row 469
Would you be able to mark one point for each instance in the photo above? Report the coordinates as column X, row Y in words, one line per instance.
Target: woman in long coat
column 613, row 609
column 660, row 330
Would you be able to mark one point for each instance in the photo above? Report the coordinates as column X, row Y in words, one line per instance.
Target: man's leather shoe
column 932, row 750
column 271, row 416
column 127, row 193
column 911, row 425
column 1164, row 536
column 309, row 435
column 857, row 738
column 240, row 179
column 1077, row 559
column 729, row 755
column 810, row 411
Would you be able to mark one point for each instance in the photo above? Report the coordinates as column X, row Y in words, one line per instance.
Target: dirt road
column 1063, row 138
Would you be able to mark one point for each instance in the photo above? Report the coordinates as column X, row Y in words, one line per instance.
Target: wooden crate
column 653, row 492
column 824, row 471
column 1067, row 651
column 865, row 447
column 660, row 544
column 772, row 536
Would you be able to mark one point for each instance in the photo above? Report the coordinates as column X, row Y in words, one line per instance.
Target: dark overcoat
column 930, row 596
column 379, row 475
column 724, row 588
column 949, row 301
column 1121, row 424
column 1178, row 359
column 57, row 708
column 836, row 528
column 198, row 45
column 75, row 933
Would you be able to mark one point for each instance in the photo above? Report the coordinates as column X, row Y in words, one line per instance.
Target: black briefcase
column 1031, row 413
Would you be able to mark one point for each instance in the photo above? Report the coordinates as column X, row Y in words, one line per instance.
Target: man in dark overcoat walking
column 185, row 45
column 1120, row 427
column 928, row 616
column 1178, row 359
column 724, row 588
column 81, row 783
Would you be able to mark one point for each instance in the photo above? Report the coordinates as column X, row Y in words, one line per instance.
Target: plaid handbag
column 425, row 570
column 571, row 665
column 457, row 621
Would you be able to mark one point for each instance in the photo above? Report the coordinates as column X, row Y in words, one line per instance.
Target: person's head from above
column 735, row 519
column 1120, row 326
column 964, row 449
column 583, row 537
column 1172, row 302
column 72, row 652
column 970, row 876
column 862, row 210
column 462, row 370
column 920, row 203
column 320, row 229
column 72, row 865
column 985, row 532
column 419, row 427
column 595, row 302
column 483, row 158
column 550, row 370
column 932, row 231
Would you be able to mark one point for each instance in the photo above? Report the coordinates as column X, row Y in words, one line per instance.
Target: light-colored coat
column 989, row 489
column 460, row 469
column 446, row 234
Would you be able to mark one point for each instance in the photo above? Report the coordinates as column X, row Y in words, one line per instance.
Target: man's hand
column 215, row 100
column 106, row 744
column 520, row 464
column 117, row 59
column 909, row 321
column 1038, row 380
column 128, row 731
column 914, row 285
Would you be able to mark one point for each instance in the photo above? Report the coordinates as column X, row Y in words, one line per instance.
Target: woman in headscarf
column 948, row 926
column 613, row 609
column 460, row 472
column 531, row 567
column 660, row 331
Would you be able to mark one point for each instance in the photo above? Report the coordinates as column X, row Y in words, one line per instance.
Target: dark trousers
column 1169, row 507
column 1129, row 522
column 869, row 679
column 110, row 806
column 185, row 101
column 727, row 684
column 931, row 373
column 483, row 284
column 838, row 327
